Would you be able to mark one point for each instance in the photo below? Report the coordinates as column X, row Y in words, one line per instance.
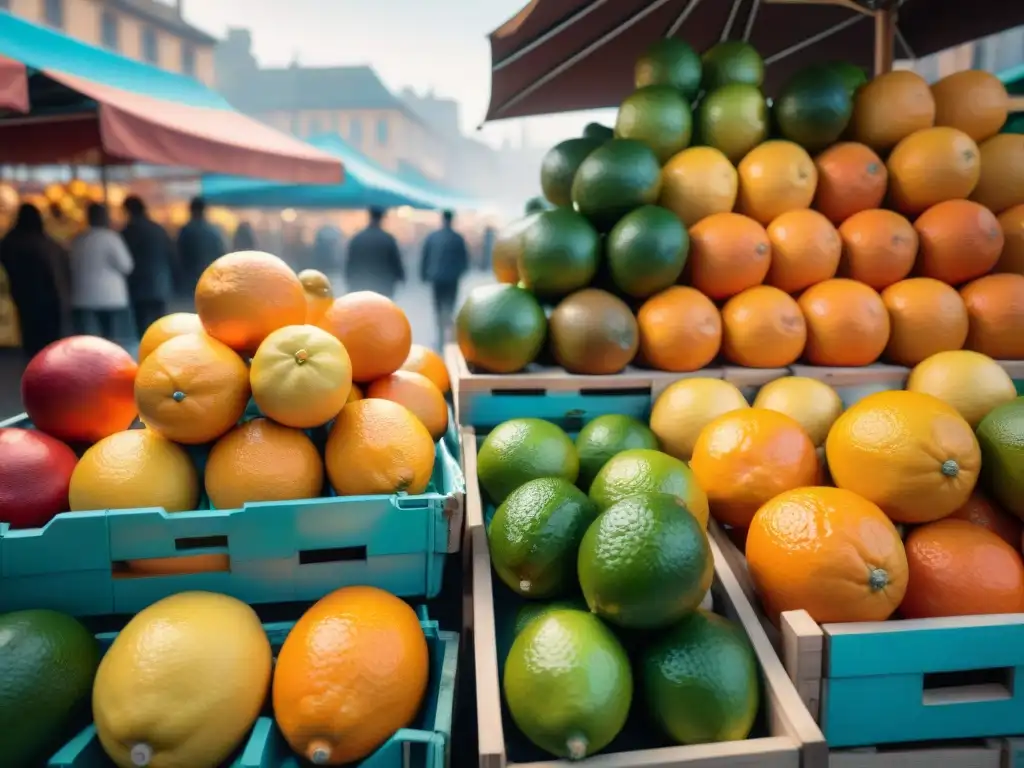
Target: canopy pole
column 885, row 40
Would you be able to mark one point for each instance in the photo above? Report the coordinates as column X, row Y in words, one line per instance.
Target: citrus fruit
column 35, row 472
column 417, row 393
column 733, row 119
column 319, row 294
column 847, row 553
column 973, row 101
column 500, row 328
column 262, row 460
column 352, row 671
column 79, row 389
column 560, row 253
column 680, row 330
column 847, row 323
column 980, row 510
column 375, row 331
column 813, row 108
column 300, row 376
column 701, row 680
column 879, row 248
column 995, row 309
column 657, row 115
column 534, row 610
column 615, row 178
column 1011, row 221
column 890, row 107
column 642, row 470
column 598, row 131
column 925, row 317
column 931, row 166
column 960, row 569
column 559, row 166
column 427, row 362
column 1001, row 185
column 646, row 251
column 1001, row 437
column 851, row 179
column 607, row 436
column 908, row 452
column 686, row 407
column 805, row 250
column 960, row 240
column 731, row 61
column 729, row 253
column 378, row 447
column 243, row 296
column 568, row 683
column 776, row 177
column 698, row 182
column 535, row 534
column 645, row 562
column 163, row 661
column 852, row 75
column 762, row 327
column 971, row 382
column 744, row 458
column 354, row 394
column 812, row 403
column 507, row 246
column 520, row 450
column 167, row 327
column 669, row 61
column 593, row 332
column 192, row 389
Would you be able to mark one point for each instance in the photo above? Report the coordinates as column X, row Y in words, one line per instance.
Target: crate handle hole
column 617, row 392
column 200, row 542
column 333, row 555
column 970, row 686
column 519, row 392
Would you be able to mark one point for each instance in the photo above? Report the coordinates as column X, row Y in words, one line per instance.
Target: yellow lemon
column 971, row 382
column 319, row 294
column 814, row 404
column 686, row 407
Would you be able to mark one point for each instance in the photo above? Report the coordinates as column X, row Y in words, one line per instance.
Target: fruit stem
column 878, row 579
column 318, row 752
column 141, row 755
column 178, row 396
column 301, row 356
column 577, row 747
column 950, row 468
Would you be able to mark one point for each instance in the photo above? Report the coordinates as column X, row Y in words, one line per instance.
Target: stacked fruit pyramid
column 335, row 400
column 849, row 221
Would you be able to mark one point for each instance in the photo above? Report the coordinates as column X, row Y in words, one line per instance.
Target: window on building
column 150, row 45
column 382, row 131
column 355, row 131
column 188, row 59
column 110, row 28
column 55, row 13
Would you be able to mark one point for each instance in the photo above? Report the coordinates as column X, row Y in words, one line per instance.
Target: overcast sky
column 426, row 44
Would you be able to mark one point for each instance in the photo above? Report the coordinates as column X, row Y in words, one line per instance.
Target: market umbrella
column 564, row 55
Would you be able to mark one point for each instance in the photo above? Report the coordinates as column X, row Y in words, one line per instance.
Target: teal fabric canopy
column 1013, row 79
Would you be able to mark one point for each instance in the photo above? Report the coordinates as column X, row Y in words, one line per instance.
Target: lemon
column 811, row 402
column 686, row 407
column 318, row 291
column 971, row 382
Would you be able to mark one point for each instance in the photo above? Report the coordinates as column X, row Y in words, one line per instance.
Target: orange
column 301, row 376
column 729, row 253
column 352, row 671
column 378, row 447
column 980, row 510
column 354, row 394
column 261, row 460
column 745, row 458
column 847, row 324
column 805, row 250
column 763, row 328
column 879, row 248
column 697, row 183
column 925, row 316
column 1001, row 185
column 775, row 177
column 973, row 101
column 995, row 309
column 680, row 330
column 319, row 295
column 829, row 552
column 960, row 569
column 1011, row 221
column 192, row 389
column 243, row 296
column 375, row 331
column 932, row 166
column 908, row 452
column 424, row 360
column 167, row 327
column 960, row 241
column 851, row 179
column 417, row 393
column 889, row 108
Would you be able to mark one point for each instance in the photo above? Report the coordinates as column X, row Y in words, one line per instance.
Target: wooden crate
column 794, row 739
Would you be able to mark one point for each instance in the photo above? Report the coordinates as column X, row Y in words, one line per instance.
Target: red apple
column 35, row 471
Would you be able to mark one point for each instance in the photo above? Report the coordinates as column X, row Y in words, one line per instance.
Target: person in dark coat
column 199, row 245
column 245, row 238
column 40, row 283
column 151, row 283
column 374, row 261
column 445, row 261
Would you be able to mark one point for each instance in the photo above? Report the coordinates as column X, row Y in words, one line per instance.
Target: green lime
column 559, row 166
column 659, row 116
column 560, row 253
column 606, row 436
column 733, row 119
column 813, row 108
column 598, row 132
column 615, row 178
column 732, row 61
column 520, row 450
column 646, row 251
column 853, row 76
column 1001, row 437
column 672, row 62
column 500, row 328
column 642, row 470
column 534, row 610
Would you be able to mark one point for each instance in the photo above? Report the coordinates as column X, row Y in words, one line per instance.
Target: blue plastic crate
column 426, row 745
column 278, row 551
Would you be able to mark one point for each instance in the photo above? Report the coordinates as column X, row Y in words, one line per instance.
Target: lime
column 520, row 450
column 646, row 251
column 642, row 470
column 606, row 436
column 672, row 62
column 659, row 116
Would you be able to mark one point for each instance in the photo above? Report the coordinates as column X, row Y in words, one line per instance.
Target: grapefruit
column 167, row 327
column 698, row 182
column 35, row 473
column 814, row 404
column 971, row 382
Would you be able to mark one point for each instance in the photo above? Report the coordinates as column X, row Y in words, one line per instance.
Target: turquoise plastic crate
column 426, row 745
column 279, row 551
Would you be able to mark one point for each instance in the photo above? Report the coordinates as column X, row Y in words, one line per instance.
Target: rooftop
column 166, row 17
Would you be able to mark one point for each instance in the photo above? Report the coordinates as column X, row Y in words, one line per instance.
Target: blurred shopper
column 199, row 245
column 37, row 271
column 100, row 265
column 245, row 238
column 62, row 228
column 327, row 249
column 151, row 283
column 487, row 248
column 374, row 261
column 445, row 261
